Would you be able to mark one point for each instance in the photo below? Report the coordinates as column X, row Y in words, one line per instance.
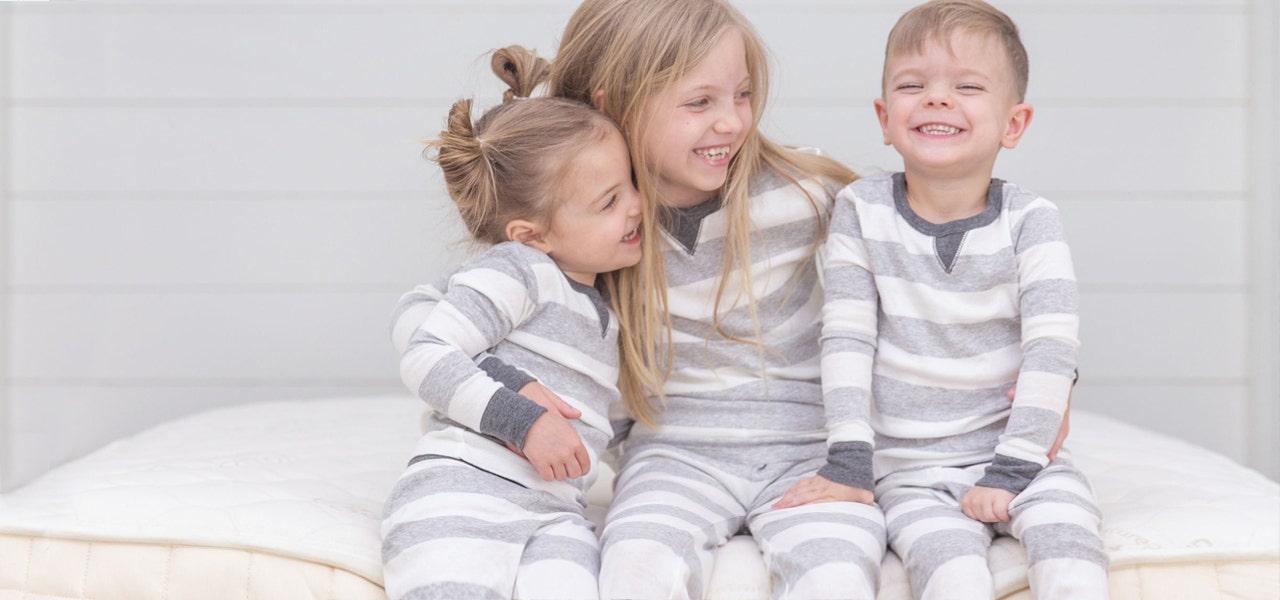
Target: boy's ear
column 529, row 234
column 1019, row 120
column 597, row 99
column 882, row 113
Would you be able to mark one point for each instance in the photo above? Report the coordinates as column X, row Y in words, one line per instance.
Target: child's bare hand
column 544, row 397
column 820, row 489
column 555, row 449
column 987, row 504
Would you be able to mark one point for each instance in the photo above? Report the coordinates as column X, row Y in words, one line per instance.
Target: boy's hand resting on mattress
column 987, row 504
column 820, row 489
column 555, row 449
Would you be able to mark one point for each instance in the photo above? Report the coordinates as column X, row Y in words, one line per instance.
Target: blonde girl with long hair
column 726, row 314
column 492, row 503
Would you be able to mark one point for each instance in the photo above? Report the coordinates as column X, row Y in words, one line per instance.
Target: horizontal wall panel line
column 1041, row 103
column 19, row 102
column 223, row 195
column 354, row 7
column 1017, row 8
column 1148, row 382
column 182, row 382
column 1163, row 289
column 208, row 289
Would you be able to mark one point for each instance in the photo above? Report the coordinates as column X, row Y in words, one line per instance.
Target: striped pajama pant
column 451, row 531
column 670, row 513
column 945, row 552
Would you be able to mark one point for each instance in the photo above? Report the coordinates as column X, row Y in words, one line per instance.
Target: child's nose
column 729, row 121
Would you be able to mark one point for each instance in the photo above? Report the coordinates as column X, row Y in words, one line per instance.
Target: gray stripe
column 932, row 404
column 1054, row 496
column 1037, row 425
column 790, row 566
column 680, row 542
column 935, row 511
column 848, row 404
column 403, row 536
column 961, row 340
column 673, row 488
column 1038, row 226
column 775, row 405
column 558, row 547
column 932, row 550
column 1063, row 540
column 984, row 438
column 849, row 282
column 1050, row 296
column 683, row 268
column 777, row 526
column 454, row 591
column 799, row 348
column 981, row 273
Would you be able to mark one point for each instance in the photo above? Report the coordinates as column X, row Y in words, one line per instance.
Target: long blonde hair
column 616, row 55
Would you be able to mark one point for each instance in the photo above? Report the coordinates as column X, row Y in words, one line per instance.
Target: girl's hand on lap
column 987, row 504
column 555, row 449
column 820, row 489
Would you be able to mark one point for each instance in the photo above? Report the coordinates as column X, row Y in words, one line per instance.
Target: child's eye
column 613, row 200
column 699, row 103
column 970, row 87
column 908, row 87
column 744, row 95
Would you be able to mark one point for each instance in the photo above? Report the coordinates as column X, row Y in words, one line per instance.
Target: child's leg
column 561, row 562
column 665, row 522
column 821, row 550
column 1056, row 518
column 450, row 530
column 944, row 552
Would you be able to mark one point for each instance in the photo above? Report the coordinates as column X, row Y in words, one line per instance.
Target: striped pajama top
column 512, row 303
column 926, row 326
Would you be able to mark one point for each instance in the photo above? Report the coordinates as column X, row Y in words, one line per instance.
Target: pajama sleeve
column 481, row 305
column 1049, row 304
column 848, row 347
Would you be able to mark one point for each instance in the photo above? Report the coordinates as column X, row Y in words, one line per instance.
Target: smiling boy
column 946, row 287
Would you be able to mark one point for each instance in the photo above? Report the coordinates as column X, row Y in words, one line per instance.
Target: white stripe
column 850, row 316
column 846, row 370
column 1037, row 389
column 902, row 298
column 1046, row 261
column 508, row 295
column 982, row 371
column 1061, row 326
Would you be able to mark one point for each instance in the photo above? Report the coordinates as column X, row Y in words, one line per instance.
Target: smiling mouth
column 938, row 129
column 633, row 236
column 713, row 154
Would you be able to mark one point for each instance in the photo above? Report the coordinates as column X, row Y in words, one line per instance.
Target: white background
column 205, row 204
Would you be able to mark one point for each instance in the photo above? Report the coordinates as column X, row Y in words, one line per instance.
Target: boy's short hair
column 938, row 19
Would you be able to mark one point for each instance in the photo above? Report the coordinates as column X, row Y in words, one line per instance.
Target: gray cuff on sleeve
column 509, row 416
column 1009, row 474
column 501, row 372
column 849, row 463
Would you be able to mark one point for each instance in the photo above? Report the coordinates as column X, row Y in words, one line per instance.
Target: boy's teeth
column 939, row 130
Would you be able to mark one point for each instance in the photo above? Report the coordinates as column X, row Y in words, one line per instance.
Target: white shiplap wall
column 213, row 203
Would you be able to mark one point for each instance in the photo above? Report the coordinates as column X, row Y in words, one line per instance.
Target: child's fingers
column 565, row 409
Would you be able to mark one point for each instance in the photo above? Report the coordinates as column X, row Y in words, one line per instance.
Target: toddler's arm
column 1049, row 305
column 483, row 303
column 848, row 347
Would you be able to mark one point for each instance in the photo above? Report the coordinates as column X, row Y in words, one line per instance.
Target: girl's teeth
column 713, row 154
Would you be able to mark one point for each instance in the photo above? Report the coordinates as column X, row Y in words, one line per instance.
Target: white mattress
column 282, row 500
